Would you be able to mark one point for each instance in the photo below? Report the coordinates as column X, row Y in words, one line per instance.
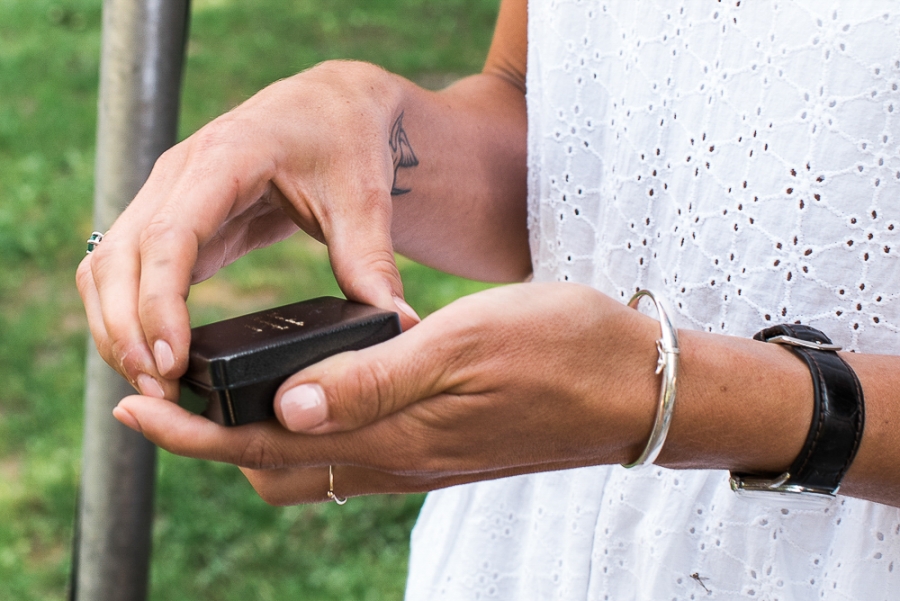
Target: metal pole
column 140, row 84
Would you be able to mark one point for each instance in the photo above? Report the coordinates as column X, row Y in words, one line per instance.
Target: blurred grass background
column 213, row 538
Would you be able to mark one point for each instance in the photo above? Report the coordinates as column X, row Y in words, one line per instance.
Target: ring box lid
column 252, row 348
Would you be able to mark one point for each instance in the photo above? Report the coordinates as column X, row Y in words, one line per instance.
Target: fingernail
column 127, row 419
column 406, row 309
column 304, row 407
column 165, row 359
column 150, row 387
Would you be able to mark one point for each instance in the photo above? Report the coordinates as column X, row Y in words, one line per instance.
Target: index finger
column 264, row 445
column 196, row 208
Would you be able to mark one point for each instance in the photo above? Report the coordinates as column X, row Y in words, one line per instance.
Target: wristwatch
column 837, row 422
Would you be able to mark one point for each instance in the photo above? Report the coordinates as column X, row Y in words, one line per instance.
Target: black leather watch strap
column 838, row 414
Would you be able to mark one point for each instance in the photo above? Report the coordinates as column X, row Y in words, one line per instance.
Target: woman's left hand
column 517, row 379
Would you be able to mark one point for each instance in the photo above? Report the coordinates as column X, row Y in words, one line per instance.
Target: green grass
column 213, row 537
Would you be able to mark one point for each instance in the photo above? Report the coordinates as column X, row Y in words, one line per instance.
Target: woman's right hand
column 310, row 152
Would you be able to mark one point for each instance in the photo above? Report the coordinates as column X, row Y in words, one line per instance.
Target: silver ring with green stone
column 94, row 241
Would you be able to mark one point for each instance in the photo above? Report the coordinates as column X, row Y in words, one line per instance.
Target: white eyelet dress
column 742, row 159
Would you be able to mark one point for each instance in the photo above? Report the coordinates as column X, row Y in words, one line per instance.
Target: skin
column 524, row 378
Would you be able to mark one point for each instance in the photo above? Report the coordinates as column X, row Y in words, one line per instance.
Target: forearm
column 464, row 211
column 534, row 377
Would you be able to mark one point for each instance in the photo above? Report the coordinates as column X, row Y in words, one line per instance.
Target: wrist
column 868, row 476
column 743, row 405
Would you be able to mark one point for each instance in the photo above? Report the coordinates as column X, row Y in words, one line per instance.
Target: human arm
column 528, row 378
column 314, row 152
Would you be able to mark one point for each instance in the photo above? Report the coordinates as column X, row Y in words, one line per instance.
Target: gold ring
column 331, row 495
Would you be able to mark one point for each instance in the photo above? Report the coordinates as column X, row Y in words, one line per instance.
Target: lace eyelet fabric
column 742, row 159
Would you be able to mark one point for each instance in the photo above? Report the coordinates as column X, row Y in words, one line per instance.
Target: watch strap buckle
column 791, row 341
column 747, row 484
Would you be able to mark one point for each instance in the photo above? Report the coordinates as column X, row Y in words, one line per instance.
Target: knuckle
column 373, row 264
column 273, row 498
column 121, row 354
column 364, row 82
column 336, row 73
column 373, row 393
column 384, row 390
column 159, row 233
column 149, row 305
column 103, row 261
column 381, row 259
column 170, row 160
column 104, row 348
column 260, row 452
column 213, row 136
column 331, row 69
column 83, row 278
column 118, row 350
column 212, row 151
column 166, row 243
column 413, row 456
column 271, row 493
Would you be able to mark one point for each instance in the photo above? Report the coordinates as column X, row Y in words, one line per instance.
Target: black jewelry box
column 237, row 365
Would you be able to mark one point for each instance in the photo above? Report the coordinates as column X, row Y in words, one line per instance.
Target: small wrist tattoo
column 402, row 153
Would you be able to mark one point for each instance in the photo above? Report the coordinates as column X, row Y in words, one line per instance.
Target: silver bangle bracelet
column 667, row 347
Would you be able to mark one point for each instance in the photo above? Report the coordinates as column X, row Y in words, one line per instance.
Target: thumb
column 362, row 258
column 354, row 389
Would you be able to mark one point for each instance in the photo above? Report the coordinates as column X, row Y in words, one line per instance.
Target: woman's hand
column 527, row 378
column 517, row 379
column 311, row 152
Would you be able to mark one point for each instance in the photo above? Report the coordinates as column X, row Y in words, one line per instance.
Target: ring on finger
column 94, row 241
column 331, row 493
